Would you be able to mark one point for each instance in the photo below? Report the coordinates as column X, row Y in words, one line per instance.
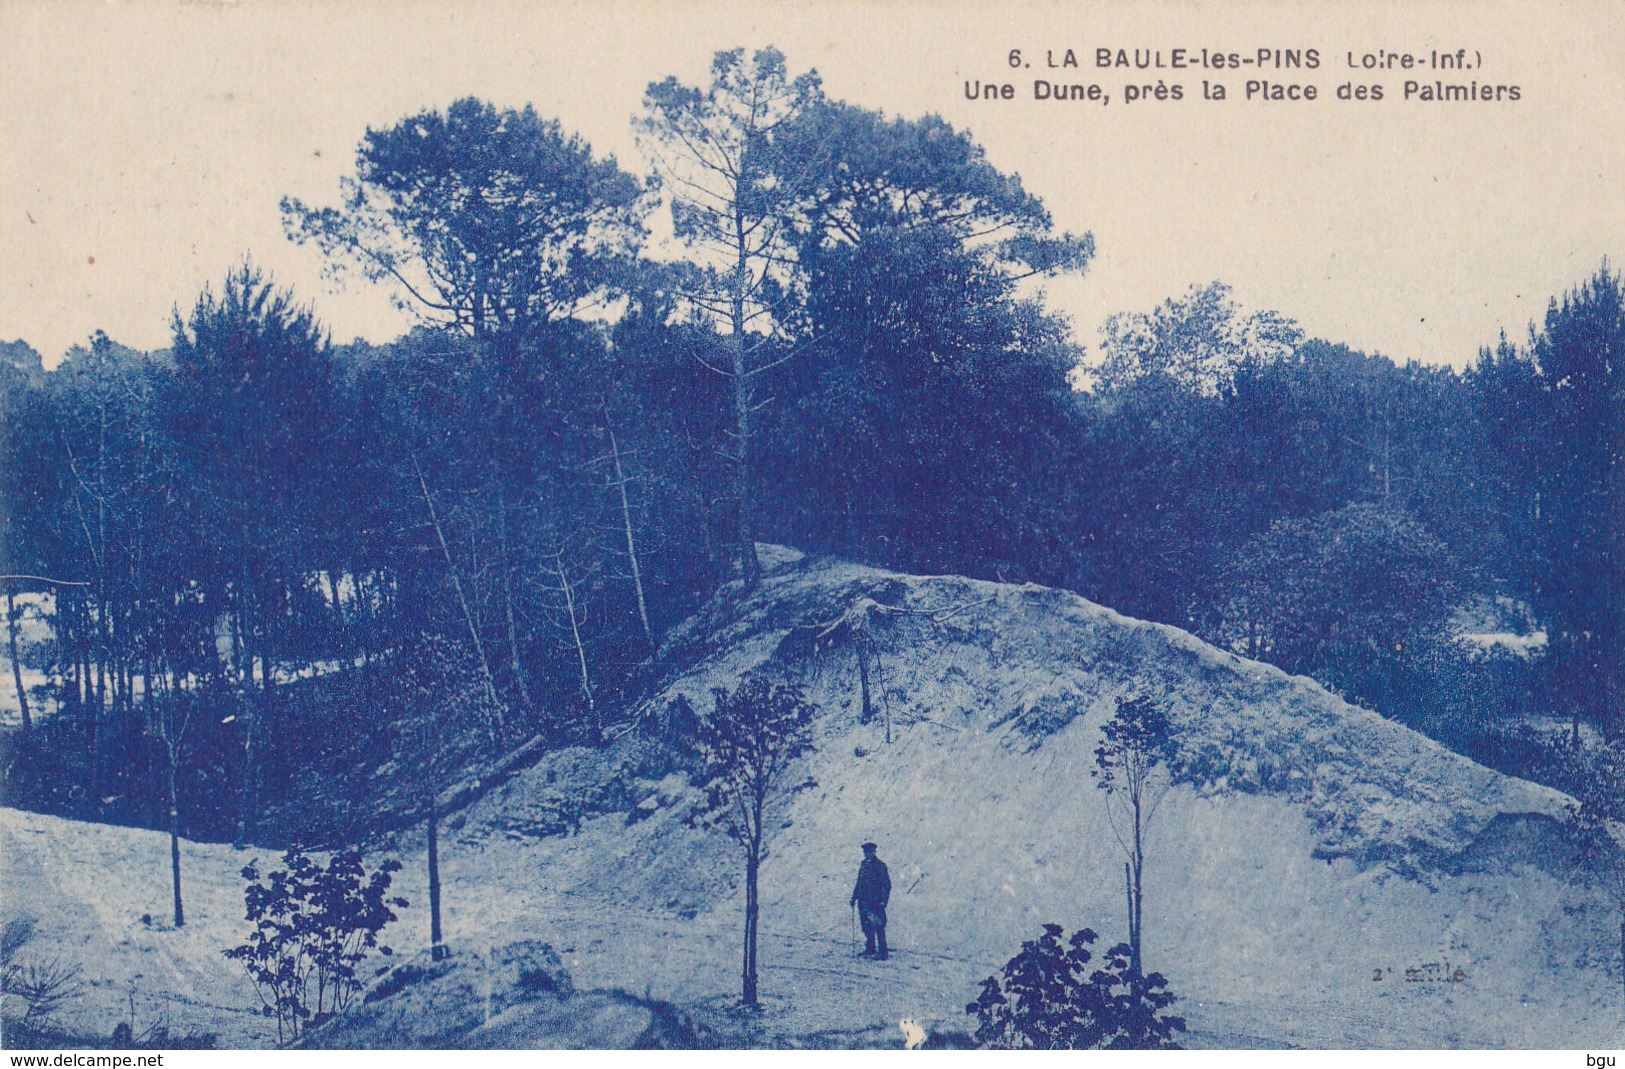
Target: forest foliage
column 850, row 353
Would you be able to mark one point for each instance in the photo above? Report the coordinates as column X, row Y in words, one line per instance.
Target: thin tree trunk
column 750, row 568
column 175, row 836
column 513, row 642
column 258, row 721
column 631, row 545
column 1139, row 899
column 575, row 634
column 437, row 946
column 462, row 602
column 1133, row 927
column 239, row 645
column 885, row 693
column 333, row 595
column 90, row 703
column 16, row 665
column 242, row 663
column 863, row 676
column 67, row 673
column 507, row 610
column 102, row 622
column 752, row 870
column 245, row 816
column 102, row 644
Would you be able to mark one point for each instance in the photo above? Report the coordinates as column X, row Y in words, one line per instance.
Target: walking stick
column 854, row 929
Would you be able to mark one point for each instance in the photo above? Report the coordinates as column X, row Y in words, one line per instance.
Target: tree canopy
column 1196, row 342
column 490, row 220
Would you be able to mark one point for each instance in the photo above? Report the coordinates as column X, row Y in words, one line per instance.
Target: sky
column 144, row 146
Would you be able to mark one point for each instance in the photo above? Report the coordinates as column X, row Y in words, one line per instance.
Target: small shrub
column 1051, row 1000
column 32, row 989
column 39, row 988
column 312, row 928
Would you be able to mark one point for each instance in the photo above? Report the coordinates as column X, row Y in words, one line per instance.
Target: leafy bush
column 1340, row 596
column 1051, row 1000
column 312, row 928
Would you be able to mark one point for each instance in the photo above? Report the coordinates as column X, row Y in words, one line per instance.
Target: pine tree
column 734, row 194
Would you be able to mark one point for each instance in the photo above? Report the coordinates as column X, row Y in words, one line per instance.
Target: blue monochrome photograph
column 719, row 524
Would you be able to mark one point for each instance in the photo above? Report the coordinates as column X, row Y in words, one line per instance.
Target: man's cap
column 868, row 846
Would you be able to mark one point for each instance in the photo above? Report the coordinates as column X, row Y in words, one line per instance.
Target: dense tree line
column 262, row 551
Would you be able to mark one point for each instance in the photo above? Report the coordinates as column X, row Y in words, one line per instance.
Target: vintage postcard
column 671, row 524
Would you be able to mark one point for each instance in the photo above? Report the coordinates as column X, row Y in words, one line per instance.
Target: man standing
column 870, row 895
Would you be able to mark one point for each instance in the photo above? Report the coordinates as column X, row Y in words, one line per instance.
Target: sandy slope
column 1320, row 846
column 87, row 888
